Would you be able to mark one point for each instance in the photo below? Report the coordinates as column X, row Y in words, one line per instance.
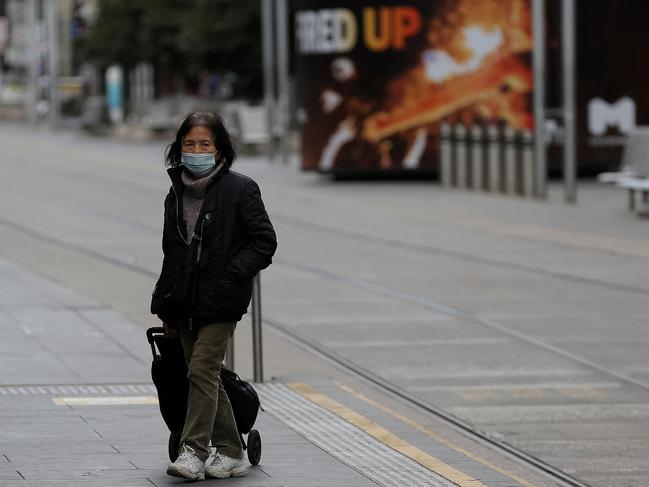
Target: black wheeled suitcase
column 169, row 374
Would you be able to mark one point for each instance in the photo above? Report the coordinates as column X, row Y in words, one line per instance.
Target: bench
column 247, row 123
column 634, row 186
column 634, row 169
column 253, row 125
column 635, row 158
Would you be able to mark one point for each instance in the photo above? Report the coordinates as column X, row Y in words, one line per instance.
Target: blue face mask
column 199, row 164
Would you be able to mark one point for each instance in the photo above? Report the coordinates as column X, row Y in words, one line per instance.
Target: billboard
column 612, row 80
column 376, row 78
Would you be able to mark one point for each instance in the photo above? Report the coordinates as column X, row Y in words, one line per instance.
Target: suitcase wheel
column 254, row 447
column 174, row 445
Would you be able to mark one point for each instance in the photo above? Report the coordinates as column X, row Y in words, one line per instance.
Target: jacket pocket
column 218, row 292
column 165, row 298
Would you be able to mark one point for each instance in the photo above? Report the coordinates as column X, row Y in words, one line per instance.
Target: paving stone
column 9, row 473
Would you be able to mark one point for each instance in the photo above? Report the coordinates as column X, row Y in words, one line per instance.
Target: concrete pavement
column 77, row 408
column 525, row 318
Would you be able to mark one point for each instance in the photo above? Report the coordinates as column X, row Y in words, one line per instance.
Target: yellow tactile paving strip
column 434, row 435
column 386, row 437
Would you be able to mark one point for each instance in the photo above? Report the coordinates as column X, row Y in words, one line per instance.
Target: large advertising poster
column 376, row 78
column 612, row 80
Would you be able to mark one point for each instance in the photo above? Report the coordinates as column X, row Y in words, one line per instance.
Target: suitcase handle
column 151, row 333
column 154, row 330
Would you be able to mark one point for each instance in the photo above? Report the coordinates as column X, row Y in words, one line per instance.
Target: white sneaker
column 187, row 465
column 212, row 456
column 223, row 467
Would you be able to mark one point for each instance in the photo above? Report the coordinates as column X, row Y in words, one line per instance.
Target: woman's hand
column 169, row 331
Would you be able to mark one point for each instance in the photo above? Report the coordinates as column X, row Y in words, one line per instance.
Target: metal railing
column 257, row 351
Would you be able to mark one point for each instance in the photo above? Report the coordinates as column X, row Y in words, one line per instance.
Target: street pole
column 229, row 354
column 569, row 116
column 257, row 348
column 269, row 74
column 281, row 14
column 538, row 61
column 32, row 59
column 52, row 13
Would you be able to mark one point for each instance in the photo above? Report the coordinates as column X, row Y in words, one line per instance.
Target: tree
column 222, row 35
column 181, row 37
column 115, row 36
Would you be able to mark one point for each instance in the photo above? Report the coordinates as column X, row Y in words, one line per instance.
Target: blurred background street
column 446, row 249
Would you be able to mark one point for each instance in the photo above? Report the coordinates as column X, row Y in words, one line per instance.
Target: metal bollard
column 493, row 158
column 229, row 354
column 510, row 161
column 446, row 154
column 257, row 352
column 461, row 151
column 528, row 164
column 477, row 151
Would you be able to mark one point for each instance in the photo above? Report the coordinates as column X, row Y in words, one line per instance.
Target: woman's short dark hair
column 212, row 122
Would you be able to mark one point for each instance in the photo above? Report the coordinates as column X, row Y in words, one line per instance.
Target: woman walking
column 217, row 236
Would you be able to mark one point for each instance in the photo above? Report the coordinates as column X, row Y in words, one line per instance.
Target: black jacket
column 208, row 278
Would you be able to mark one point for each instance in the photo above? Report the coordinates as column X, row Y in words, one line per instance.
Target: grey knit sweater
column 194, row 195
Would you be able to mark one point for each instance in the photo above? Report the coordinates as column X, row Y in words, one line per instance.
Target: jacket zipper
column 178, row 218
column 200, row 239
column 191, row 324
column 200, row 242
column 198, row 257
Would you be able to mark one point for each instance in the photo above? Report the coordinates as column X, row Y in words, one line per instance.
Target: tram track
column 387, row 242
column 440, row 414
column 393, row 243
column 117, row 171
column 358, row 370
column 469, row 257
column 376, row 288
column 426, row 303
